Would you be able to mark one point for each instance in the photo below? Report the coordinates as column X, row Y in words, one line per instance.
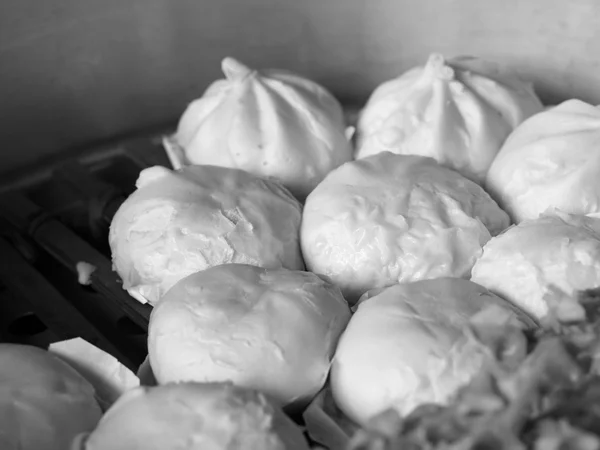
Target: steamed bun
column 193, row 416
column 269, row 123
column 390, row 219
column 179, row 222
column 417, row 343
column 44, row 402
column 543, row 262
column 272, row 330
column 458, row 112
column 552, row 161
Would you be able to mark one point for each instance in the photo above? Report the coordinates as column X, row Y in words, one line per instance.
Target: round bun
column 387, row 218
column 270, row 123
column 544, row 260
column 552, row 161
column 412, row 344
column 45, row 403
column 193, row 416
column 271, row 330
column 179, row 222
column 458, row 112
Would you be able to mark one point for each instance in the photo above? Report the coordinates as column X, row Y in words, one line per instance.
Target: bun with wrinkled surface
column 548, row 259
column 417, row 343
column 390, row 219
column 272, row 330
column 551, row 161
column 179, row 222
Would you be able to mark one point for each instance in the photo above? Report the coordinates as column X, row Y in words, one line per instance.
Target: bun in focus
column 271, row 330
column 270, row 123
column 551, row 161
column 457, row 111
column 390, row 219
column 179, row 222
column 417, row 343
column 541, row 264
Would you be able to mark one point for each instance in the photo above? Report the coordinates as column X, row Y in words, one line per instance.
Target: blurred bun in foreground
column 193, row 416
column 44, row 402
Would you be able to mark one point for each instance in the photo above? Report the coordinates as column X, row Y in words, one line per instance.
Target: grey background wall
column 81, row 71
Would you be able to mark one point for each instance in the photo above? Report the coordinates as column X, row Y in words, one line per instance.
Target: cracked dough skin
column 409, row 344
column 179, row 222
column 271, row 330
column 551, row 257
column 193, row 416
column 389, row 219
column 551, row 161
column 44, row 402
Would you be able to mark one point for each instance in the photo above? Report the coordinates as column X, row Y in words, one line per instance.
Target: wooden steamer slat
column 52, row 308
column 148, row 153
column 90, row 188
column 69, row 249
column 20, row 323
column 102, row 199
column 67, row 216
